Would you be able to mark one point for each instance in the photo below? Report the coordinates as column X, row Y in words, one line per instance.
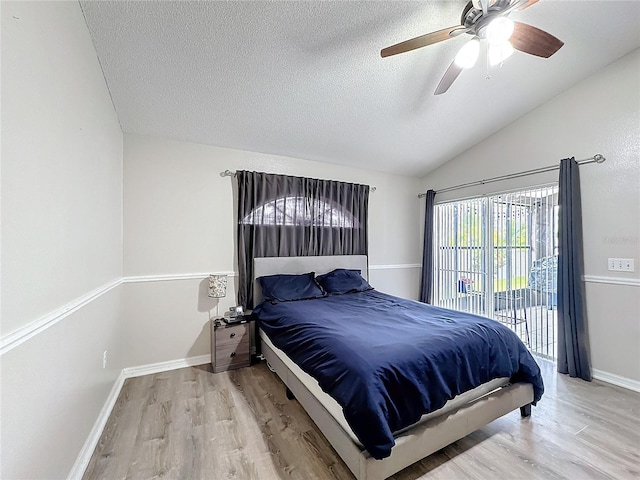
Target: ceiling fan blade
column 532, row 40
column 448, row 78
column 419, row 42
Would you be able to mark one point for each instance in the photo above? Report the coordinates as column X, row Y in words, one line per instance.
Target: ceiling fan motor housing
column 476, row 22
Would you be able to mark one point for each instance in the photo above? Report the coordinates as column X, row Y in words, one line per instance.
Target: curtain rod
column 597, row 158
column 229, row 173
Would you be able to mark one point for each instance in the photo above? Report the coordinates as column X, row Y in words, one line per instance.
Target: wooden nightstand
column 229, row 345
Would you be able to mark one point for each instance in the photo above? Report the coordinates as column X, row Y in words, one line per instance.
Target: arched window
column 285, row 216
column 300, row 211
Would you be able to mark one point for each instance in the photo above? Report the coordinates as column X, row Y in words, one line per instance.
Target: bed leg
column 526, row 410
column 290, row 395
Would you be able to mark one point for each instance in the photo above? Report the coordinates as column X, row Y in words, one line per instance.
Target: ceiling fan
column 485, row 20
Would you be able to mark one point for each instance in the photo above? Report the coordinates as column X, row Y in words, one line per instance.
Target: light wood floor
column 193, row 424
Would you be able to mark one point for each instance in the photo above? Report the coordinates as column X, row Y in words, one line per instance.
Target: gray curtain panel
column 573, row 338
column 426, row 285
column 281, row 216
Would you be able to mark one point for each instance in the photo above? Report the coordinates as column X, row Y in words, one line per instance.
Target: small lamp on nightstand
column 217, row 288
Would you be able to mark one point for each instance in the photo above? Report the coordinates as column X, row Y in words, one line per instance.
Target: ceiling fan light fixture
column 484, row 20
column 499, row 30
column 499, row 52
column 468, row 54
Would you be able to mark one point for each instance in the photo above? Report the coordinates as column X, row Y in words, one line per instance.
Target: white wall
column 599, row 115
column 61, row 236
column 179, row 219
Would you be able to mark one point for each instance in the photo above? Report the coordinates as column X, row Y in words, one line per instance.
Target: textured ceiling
column 306, row 80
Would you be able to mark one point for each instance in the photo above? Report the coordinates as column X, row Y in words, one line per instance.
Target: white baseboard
column 165, row 366
column 623, row 382
column 82, row 461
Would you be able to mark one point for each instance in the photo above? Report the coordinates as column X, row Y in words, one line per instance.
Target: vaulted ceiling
column 305, row 79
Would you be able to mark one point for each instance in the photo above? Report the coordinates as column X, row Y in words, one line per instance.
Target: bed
column 364, row 450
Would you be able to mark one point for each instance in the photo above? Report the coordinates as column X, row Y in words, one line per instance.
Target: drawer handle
column 232, row 335
column 233, row 354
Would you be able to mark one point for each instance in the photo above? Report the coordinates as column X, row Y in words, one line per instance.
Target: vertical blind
column 497, row 256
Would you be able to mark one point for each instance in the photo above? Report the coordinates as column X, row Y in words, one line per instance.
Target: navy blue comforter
column 387, row 361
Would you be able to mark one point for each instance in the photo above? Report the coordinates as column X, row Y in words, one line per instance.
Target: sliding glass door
column 460, row 257
column 497, row 256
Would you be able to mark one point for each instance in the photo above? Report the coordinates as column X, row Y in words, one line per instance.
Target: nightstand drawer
column 228, row 357
column 239, row 361
column 230, row 345
column 230, row 351
column 232, row 335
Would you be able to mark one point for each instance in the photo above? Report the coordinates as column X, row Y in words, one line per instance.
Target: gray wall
column 61, row 236
column 64, row 244
column 179, row 221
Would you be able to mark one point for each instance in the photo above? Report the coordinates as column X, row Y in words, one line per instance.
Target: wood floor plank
column 194, row 424
column 120, row 432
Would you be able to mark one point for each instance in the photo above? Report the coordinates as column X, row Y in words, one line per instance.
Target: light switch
column 621, row 265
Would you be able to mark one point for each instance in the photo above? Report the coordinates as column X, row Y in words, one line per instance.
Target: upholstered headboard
column 294, row 265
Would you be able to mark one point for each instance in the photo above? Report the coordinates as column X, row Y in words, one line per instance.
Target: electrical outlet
column 104, row 359
column 621, row 264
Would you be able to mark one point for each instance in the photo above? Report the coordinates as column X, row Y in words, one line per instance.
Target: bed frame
column 413, row 444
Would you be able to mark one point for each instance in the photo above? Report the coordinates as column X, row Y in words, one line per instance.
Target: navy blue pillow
column 342, row 280
column 285, row 288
